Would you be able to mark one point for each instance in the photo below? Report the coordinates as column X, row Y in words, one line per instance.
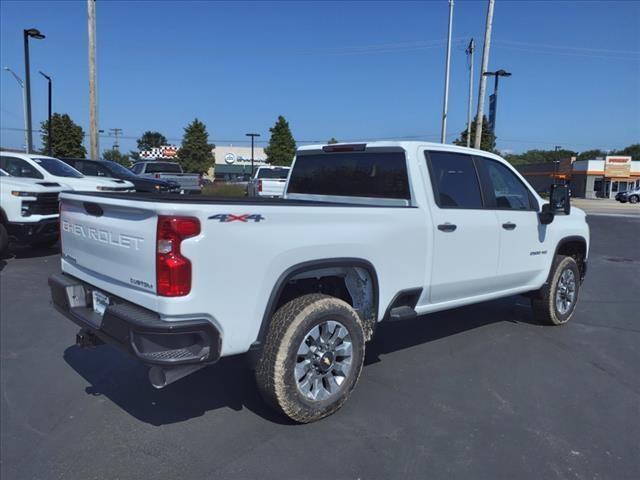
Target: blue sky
column 353, row 70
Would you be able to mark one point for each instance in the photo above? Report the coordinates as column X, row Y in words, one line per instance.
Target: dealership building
column 597, row 178
column 234, row 163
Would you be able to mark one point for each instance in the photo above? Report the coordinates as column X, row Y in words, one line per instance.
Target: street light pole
column 470, row 49
column 49, row 139
column 493, row 101
column 33, row 33
column 24, row 106
column 253, row 136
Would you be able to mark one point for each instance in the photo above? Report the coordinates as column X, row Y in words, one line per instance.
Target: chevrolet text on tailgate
column 365, row 233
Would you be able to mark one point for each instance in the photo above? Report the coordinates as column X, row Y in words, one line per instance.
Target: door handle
column 509, row 226
column 447, row 227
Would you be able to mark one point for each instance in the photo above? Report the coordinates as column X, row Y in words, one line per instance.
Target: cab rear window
column 353, row 174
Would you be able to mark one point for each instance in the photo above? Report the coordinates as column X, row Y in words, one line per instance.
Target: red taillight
column 173, row 271
column 259, row 185
column 345, row 147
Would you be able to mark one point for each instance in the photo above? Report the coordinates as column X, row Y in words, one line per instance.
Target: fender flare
column 299, row 268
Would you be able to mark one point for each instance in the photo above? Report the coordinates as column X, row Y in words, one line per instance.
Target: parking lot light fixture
column 253, row 136
column 29, row 33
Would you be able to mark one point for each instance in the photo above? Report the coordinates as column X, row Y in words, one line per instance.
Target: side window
column 454, row 180
column 137, row 168
column 91, row 169
column 17, row 167
column 510, row 193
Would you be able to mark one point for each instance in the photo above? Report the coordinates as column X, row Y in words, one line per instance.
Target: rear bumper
column 139, row 331
column 29, row 232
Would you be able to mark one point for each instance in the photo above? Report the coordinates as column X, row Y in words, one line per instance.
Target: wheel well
column 352, row 280
column 577, row 249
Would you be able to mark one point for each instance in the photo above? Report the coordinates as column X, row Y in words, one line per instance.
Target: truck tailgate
column 110, row 240
column 273, row 187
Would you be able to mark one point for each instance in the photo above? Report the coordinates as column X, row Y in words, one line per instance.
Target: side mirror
column 559, row 199
column 546, row 215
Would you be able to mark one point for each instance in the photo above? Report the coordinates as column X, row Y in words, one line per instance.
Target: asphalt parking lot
column 478, row 392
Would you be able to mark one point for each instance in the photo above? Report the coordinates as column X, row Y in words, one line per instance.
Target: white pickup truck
column 366, row 233
column 268, row 182
column 28, row 211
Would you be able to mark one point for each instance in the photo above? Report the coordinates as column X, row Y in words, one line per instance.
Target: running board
column 402, row 313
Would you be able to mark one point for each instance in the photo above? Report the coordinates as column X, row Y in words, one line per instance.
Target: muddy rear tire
column 312, row 357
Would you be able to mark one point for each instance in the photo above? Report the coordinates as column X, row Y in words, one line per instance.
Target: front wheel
column 312, row 357
column 556, row 301
column 634, row 199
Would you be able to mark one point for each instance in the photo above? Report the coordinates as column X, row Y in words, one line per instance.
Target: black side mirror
column 559, row 199
column 546, row 215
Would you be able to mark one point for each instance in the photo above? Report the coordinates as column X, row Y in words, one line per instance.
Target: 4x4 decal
column 230, row 217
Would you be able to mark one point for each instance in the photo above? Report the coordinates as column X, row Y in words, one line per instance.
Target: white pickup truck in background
column 171, row 172
column 366, row 233
column 268, row 182
column 28, row 211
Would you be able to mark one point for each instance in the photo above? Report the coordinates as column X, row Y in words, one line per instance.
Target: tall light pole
column 483, row 79
column 24, row 106
column 445, row 106
column 253, row 136
column 49, row 90
column 470, row 49
column 33, row 33
column 93, row 102
column 556, row 163
column 493, row 101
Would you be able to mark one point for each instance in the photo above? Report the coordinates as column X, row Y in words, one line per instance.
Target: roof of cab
column 408, row 146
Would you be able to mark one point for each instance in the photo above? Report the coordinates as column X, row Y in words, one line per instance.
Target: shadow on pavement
column 230, row 383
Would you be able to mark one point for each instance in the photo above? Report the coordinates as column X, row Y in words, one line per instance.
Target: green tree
column 487, row 139
column 539, row 156
column 114, row 155
column 66, row 137
column 332, row 140
column 196, row 154
column 150, row 140
column 591, row 154
column 282, row 146
column 632, row 150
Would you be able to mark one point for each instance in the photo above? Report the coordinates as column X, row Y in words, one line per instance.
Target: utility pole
column 445, row 106
column 93, row 102
column 483, row 78
column 116, row 132
column 470, row 49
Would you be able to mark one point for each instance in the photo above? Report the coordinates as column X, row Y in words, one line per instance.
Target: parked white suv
column 51, row 169
column 28, row 211
column 366, row 233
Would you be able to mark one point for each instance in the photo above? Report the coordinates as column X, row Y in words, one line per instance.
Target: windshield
column 57, row 167
column 273, row 173
column 163, row 167
column 117, row 168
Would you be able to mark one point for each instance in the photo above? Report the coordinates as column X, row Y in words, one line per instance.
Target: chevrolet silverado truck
column 28, row 211
column 366, row 233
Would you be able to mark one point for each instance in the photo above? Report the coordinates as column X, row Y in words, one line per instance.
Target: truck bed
column 176, row 198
